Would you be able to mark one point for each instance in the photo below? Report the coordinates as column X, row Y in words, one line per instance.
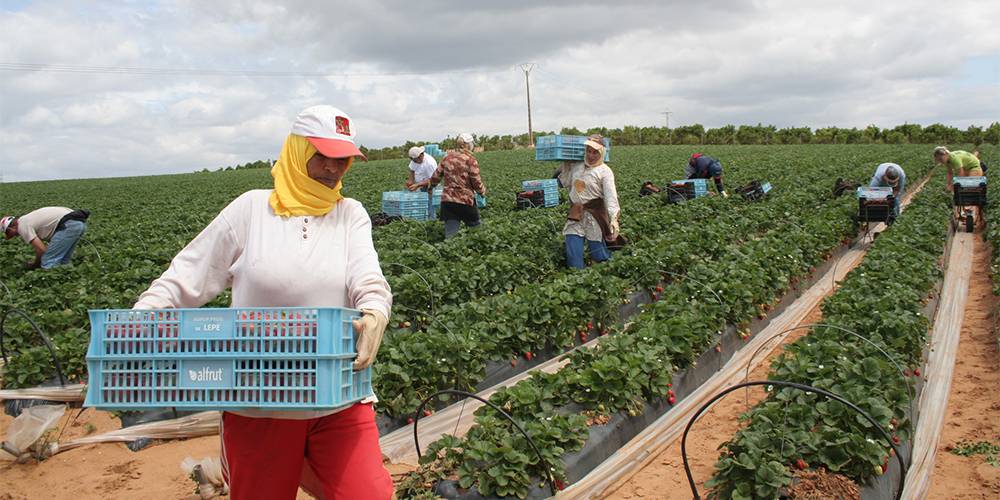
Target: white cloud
column 428, row 70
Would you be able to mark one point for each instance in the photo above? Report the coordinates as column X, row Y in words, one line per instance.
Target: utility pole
column 526, row 67
column 666, row 114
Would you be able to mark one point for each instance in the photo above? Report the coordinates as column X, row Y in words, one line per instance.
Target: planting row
column 881, row 300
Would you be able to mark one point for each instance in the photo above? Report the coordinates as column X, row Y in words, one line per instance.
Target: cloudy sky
column 141, row 87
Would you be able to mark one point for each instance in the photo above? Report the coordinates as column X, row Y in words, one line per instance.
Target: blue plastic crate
column 406, row 204
column 565, row 147
column 873, row 193
column 288, row 358
column 549, row 186
column 436, row 200
column 700, row 186
column 970, row 182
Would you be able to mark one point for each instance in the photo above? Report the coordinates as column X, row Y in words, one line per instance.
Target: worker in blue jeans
column 52, row 232
column 594, row 209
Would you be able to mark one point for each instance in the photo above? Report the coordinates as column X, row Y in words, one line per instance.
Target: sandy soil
column 974, row 402
column 107, row 471
column 664, row 477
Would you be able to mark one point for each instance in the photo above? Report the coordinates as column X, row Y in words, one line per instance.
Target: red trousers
column 332, row 457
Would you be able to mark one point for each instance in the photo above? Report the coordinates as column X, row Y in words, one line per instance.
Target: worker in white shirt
column 52, row 232
column 422, row 167
column 594, row 209
column 299, row 244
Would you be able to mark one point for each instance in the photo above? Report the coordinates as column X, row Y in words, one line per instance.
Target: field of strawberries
column 488, row 305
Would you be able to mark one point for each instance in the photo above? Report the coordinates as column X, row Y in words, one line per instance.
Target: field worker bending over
column 702, row 166
column 52, row 232
column 460, row 171
column 962, row 163
column 299, row 244
column 890, row 175
column 422, row 167
column 594, row 209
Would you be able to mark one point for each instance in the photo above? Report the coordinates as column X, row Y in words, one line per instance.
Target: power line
column 167, row 71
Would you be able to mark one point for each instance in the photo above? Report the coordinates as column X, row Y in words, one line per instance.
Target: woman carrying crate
column 300, row 244
column 460, row 172
column 594, row 209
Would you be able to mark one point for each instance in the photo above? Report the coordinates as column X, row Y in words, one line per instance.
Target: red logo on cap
column 343, row 125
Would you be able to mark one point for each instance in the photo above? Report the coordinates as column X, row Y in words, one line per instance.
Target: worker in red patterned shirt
column 460, row 172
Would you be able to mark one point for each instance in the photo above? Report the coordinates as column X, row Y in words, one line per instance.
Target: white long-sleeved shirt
column 272, row 261
column 584, row 184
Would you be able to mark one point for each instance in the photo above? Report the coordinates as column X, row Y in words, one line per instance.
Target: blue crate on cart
column 549, row 186
column 969, row 182
column 698, row 186
column 565, row 147
column 287, row 358
column 874, row 193
column 406, row 204
column 436, row 201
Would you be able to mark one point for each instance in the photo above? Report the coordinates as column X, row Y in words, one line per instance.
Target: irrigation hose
column 793, row 385
column 420, row 411
column 38, row 330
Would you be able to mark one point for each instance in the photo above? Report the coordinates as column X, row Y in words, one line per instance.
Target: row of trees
column 909, row 133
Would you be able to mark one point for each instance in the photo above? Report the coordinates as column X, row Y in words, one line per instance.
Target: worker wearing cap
column 422, row 167
column 594, row 209
column 301, row 244
column 963, row 163
column 459, row 170
column 52, row 232
column 702, row 166
column 890, row 175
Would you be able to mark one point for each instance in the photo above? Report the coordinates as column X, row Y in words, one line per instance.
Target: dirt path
column 664, row 477
column 974, row 401
column 105, row 471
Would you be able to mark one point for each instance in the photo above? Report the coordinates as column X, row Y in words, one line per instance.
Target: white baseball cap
column 5, row 223
column 329, row 130
column 466, row 138
column 415, row 152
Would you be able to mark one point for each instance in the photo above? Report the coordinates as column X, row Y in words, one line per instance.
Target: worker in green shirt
column 964, row 163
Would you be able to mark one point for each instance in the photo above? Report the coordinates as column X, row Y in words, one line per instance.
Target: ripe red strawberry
column 428, row 413
column 528, row 356
column 671, row 400
column 801, row 464
column 559, row 484
column 670, row 392
column 590, row 325
column 409, row 420
column 895, row 439
column 894, row 422
column 659, row 289
column 916, row 372
column 885, row 467
column 513, row 362
column 718, row 348
column 583, row 336
column 670, row 385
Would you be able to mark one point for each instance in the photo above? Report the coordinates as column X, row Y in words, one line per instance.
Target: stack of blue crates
column 406, row 204
column 700, row 186
column 565, row 147
column 549, row 186
column 433, row 150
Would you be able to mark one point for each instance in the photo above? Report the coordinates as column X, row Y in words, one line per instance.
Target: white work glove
column 725, row 194
column 369, row 329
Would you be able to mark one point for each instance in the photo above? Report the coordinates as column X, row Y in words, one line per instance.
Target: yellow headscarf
column 295, row 193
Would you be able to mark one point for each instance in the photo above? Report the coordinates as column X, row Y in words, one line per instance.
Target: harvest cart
column 968, row 192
